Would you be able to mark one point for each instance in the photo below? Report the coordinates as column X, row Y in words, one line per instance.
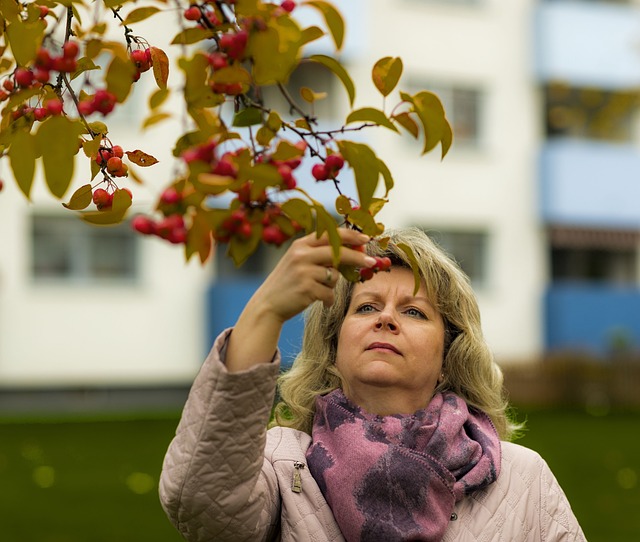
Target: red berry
column 117, row 151
column 177, row 236
column 43, row 59
column 70, row 49
column 1, row 185
column 24, row 77
column 192, row 13
column 218, row 61
column 288, row 5
column 114, row 164
column 40, row 113
column 44, row 11
column 334, row 163
column 54, row 106
column 224, row 168
column 319, row 172
column 170, row 196
column 141, row 59
column 102, row 156
column 143, row 224
column 102, row 199
column 64, row 64
column 8, row 85
column 41, row 75
column 273, row 235
column 366, row 273
column 85, row 108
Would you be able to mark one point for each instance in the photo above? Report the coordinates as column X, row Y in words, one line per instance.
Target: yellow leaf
column 141, row 158
column 57, row 138
column 25, row 39
column 300, row 211
column 22, row 156
column 10, row 10
column 339, row 71
column 431, row 114
column 115, row 215
column 302, row 123
column 310, row 96
column 370, row 114
column 155, row 119
column 386, row 74
column 119, row 78
column 90, row 148
column 275, row 51
column 333, row 19
column 80, row 199
column 199, row 238
column 311, row 34
column 160, row 66
column 405, row 120
column 189, row 36
column 287, row 151
column 364, row 163
column 264, row 135
column 139, row 14
column 158, row 98
column 274, row 122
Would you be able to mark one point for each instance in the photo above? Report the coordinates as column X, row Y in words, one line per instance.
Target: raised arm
column 302, row 276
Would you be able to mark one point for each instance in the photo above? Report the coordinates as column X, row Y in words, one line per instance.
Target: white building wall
column 493, row 187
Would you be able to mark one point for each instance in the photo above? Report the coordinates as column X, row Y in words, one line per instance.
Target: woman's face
column 390, row 346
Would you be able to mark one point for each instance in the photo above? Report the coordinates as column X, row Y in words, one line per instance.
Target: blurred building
column 537, row 200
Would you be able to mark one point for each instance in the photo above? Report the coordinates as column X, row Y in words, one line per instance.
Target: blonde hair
column 469, row 368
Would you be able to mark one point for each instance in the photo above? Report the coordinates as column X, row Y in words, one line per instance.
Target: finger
column 347, row 236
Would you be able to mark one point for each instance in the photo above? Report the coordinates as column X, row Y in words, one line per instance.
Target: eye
column 365, row 307
column 412, row 311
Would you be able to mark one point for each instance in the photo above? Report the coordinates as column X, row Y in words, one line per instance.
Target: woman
column 392, row 424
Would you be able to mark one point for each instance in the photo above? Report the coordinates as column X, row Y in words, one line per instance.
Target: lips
column 383, row 346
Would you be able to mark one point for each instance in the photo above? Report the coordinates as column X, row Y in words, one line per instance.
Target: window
column 462, row 106
column 592, row 255
column 468, row 249
column 590, row 113
column 66, row 249
column 311, row 75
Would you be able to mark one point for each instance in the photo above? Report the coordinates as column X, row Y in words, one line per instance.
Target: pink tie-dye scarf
column 397, row 478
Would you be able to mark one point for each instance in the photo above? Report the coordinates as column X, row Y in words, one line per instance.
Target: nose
column 386, row 320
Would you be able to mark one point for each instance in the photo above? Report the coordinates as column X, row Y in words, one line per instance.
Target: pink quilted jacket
column 225, row 478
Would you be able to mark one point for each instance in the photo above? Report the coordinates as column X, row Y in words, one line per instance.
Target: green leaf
column 343, row 205
column 386, row 175
column 25, row 39
column 197, row 93
column 139, row 14
column 415, row 267
column 199, row 237
column 275, row 51
column 80, row 199
column 90, row 148
column 432, row 117
column 119, row 78
column 386, row 74
column 189, row 36
column 364, row 163
column 57, row 137
column 326, row 223
column 339, row 71
column 240, row 249
column 264, row 135
column 365, row 221
column 300, row 211
column 22, row 156
column 370, row 114
column 333, row 19
column 287, row 151
column 115, row 215
column 274, row 122
column 248, row 117
column 310, row 34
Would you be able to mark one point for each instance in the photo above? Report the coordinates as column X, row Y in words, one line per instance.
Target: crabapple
column 70, row 49
column 24, row 77
column 114, row 164
column 273, row 235
column 8, row 85
column 192, row 13
column 141, row 58
column 288, row 5
column 117, row 151
column 334, row 163
column 366, row 273
column 102, row 199
column 54, row 106
column 319, row 172
column 40, row 113
column 170, row 196
column 143, row 224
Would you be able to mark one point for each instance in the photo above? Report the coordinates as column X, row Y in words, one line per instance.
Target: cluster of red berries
column 329, row 168
column 241, row 223
column 142, row 60
column 102, row 101
column 45, row 63
column 110, row 158
column 202, row 13
column 171, row 226
column 52, row 107
column 104, row 199
column 382, row 264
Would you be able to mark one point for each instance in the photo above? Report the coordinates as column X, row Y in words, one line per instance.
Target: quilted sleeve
column 215, row 483
column 558, row 522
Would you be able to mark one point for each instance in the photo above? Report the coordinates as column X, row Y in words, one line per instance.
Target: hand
column 304, row 274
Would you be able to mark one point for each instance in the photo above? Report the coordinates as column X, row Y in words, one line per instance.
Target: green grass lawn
column 96, row 481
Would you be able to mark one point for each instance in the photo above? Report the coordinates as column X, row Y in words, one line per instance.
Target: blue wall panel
column 225, row 301
column 587, row 317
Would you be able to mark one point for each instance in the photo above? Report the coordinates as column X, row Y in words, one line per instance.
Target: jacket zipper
column 296, row 486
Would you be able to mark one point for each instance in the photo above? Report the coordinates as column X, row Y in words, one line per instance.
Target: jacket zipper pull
column 296, row 487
